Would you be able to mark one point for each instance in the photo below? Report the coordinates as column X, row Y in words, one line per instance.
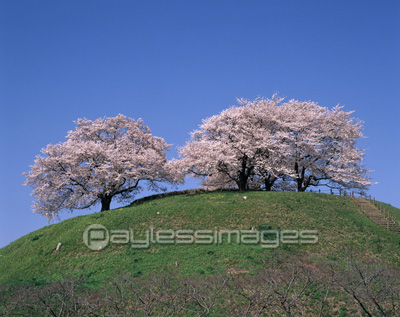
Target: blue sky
column 173, row 63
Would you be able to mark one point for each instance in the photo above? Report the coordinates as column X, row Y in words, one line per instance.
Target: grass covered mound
column 33, row 259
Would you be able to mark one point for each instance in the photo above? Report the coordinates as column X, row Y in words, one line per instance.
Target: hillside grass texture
column 342, row 228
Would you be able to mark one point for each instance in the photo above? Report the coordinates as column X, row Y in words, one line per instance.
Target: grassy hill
column 341, row 227
column 353, row 270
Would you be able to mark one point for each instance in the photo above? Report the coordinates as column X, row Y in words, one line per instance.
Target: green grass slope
column 340, row 224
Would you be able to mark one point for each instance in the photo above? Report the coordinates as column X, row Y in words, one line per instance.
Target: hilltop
column 341, row 227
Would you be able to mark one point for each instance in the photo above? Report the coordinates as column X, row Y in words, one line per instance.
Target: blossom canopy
column 99, row 160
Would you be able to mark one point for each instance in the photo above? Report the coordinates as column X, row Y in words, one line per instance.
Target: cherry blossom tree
column 260, row 142
column 99, row 160
column 322, row 146
column 234, row 146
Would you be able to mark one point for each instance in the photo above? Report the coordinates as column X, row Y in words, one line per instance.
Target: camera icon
column 96, row 237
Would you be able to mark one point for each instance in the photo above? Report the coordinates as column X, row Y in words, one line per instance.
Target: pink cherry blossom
column 99, row 160
column 260, row 142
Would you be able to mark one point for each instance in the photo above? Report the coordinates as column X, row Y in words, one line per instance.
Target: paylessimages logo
column 97, row 237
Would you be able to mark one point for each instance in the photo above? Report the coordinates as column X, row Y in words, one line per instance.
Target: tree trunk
column 303, row 183
column 244, row 175
column 301, row 187
column 242, row 183
column 105, row 203
column 269, row 182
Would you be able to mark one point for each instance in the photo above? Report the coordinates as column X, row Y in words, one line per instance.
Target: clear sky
column 173, row 63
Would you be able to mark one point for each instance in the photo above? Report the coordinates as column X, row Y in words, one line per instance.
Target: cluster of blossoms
column 261, row 144
column 268, row 144
column 100, row 160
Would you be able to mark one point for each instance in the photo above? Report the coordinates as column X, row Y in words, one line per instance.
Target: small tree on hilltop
column 100, row 160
